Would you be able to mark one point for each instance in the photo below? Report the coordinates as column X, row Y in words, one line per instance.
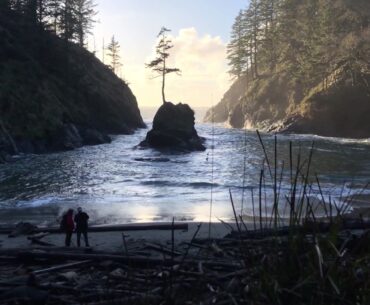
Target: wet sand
column 112, row 241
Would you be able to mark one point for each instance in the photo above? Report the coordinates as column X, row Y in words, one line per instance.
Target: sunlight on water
column 109, row 182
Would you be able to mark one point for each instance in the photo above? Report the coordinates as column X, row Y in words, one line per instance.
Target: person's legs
column 78, row 238
column 86, row 239
column 68, row 238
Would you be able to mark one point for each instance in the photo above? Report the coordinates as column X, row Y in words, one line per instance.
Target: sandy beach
column 112, row 241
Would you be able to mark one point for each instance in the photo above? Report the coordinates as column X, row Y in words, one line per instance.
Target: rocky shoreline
column 69, row 137
column 334, row 108
column 58, row 97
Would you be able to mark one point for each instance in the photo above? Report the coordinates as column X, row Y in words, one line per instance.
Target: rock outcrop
column 71, row 137
column 55, row 95
column 173, row 128
column 68, row 137
column 340, row 110
column 220, row 112
column 334, row 107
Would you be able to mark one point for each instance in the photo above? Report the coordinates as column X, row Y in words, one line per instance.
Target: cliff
column 55, row 95
column 334, row 107
column 307, row 72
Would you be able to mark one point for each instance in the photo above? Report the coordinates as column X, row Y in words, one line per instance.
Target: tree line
column 308, row 39
column 72, row 20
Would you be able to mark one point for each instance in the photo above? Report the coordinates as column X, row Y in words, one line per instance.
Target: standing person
column 68, row 226
column 81, row 220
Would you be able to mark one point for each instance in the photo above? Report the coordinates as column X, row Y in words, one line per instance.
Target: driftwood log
column 113, row 228
column 130, row 260
column 61, row 267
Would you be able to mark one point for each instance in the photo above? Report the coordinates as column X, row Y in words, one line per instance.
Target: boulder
column 67, row 138
column 93, row 137
column 236, row 117
column 5, row 157
column 8, row 146
column 173, row 128
column 71, row 136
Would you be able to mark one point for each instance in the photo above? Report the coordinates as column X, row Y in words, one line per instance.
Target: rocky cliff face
column 336, row 106
column 220, row 112
column 305, row 67
column 55, row 95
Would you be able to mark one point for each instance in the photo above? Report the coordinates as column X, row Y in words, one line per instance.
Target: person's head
column 70, row 212
column 79, row 209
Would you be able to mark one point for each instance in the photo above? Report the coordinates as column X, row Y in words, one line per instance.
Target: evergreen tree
column 269, row 42
column 17, row 5
column 159, row 64
column 236, row 49
column 54, row 12
column 68, row 21
column 30, row 11
column 74, row 19
column 113, row 52
column 41, row 6
column 256, row 24
column 248, row 40
column 85, row 13
column 307, row 39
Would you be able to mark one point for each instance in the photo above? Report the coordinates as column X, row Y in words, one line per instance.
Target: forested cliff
column 300, row 66
column 54, row 94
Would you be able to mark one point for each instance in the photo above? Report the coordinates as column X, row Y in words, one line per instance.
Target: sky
column 200, row 31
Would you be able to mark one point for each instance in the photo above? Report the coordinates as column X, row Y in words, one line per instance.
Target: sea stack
column 173, row 128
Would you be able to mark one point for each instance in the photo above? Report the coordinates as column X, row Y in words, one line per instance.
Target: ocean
column 121, row 183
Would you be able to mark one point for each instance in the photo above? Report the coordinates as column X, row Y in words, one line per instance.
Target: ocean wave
column 339, row 140
column 36, row 202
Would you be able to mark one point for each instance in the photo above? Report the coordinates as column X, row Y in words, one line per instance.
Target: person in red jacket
column 68, row 226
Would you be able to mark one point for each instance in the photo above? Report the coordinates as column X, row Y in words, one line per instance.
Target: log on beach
column 309, row 227
column 112, row 228
column 48, row 254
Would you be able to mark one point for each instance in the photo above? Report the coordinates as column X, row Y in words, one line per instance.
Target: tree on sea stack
column 173, row 129
column 159, row 64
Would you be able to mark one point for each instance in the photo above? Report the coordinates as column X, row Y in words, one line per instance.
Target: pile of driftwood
column 200, row 271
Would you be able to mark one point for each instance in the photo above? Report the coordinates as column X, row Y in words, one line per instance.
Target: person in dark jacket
column 81, row 220
column 68, row 226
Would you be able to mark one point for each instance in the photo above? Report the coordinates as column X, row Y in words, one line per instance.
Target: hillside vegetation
column 300, row 66
column 54, row 94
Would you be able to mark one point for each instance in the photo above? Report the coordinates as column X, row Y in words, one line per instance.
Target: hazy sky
column 200, row 31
